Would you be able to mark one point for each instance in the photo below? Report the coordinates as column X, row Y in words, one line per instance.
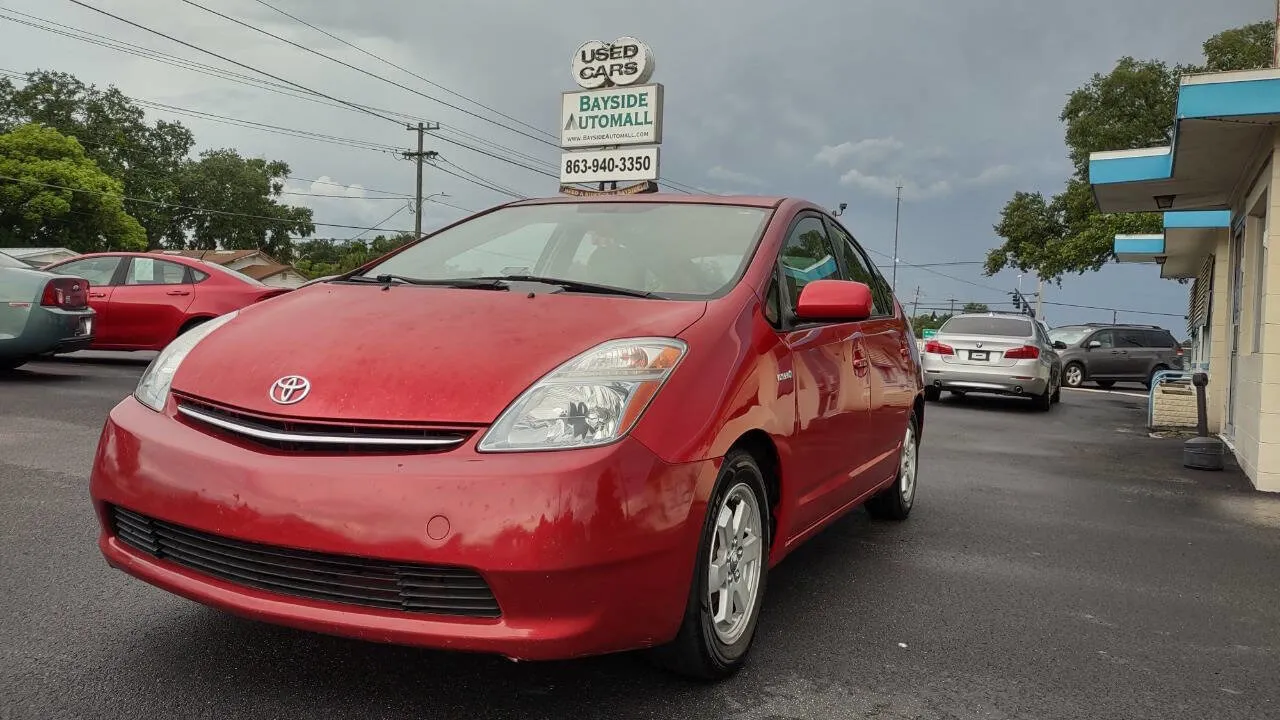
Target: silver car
column 999, row 353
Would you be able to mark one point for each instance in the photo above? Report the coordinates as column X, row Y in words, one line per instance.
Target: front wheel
column 729, row 577
column 896, row 501
column 1073, row 375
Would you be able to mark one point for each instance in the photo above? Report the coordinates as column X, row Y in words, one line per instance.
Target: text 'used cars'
column 559, row 428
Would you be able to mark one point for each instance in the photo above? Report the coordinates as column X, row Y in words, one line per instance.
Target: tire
column 1106, row 384
column 705, row 649
column 1044, row 401
column 1056, row 397
column 1073, row 375
column 1152, row 377
column 896, row 501
column 932, row 394
column 191, row 325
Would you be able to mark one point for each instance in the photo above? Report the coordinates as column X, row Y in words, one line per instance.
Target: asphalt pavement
column 1056, row 566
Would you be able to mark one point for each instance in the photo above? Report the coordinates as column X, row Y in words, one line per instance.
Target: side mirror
column 834, row 300
column 1093, row 344
column 1059, row 345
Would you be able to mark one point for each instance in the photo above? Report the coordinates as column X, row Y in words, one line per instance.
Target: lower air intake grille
column 318, row 576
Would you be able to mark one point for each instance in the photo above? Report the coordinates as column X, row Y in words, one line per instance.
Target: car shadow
column 25, row 375
column 991, row 403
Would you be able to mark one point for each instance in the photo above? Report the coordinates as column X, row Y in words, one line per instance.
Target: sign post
column 611, row 129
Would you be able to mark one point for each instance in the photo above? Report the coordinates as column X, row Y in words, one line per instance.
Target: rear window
column 8, row 262
column 998, row 326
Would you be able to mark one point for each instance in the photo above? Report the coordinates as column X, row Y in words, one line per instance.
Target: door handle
column 97, row 295
column 179, row 292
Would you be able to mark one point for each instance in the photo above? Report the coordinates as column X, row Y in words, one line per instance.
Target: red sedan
column 144, row 301
column 559, row 428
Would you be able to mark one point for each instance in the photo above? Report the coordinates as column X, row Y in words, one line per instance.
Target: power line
column 361, row 70
column 381, row 59
column 382, row 222
column 224, row 58
column 178, row 207
column 481, row 183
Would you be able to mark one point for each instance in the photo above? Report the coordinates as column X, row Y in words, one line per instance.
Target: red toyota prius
column 562, row 427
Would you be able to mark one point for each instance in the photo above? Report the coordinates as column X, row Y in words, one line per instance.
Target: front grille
column 298, row 436
column 318, row 576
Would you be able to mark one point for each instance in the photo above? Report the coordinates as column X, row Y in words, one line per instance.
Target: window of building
column 1260, row 284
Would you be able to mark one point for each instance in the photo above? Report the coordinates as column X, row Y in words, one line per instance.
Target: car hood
column 423, row 354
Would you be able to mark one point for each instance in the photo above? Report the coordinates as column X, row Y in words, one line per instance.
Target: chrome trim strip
column 273, row 436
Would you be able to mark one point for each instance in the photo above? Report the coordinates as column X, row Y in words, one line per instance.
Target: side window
column 858, row 268
column 1105, row 337
column 1041, row 336
column 98, row 271
column 1161, row 339
column 150, row 271
column 1132, row 338
column 806, row 257
column 198, row 277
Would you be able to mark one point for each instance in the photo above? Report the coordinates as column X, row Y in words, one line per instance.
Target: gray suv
column 1107, row 354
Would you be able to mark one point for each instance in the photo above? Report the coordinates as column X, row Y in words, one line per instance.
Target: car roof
column 760, row 201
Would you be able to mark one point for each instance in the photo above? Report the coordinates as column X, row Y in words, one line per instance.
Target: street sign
column 619, row 165
column 612, row 116
column 928, row 333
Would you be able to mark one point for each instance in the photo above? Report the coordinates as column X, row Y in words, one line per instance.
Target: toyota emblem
column 290, row 389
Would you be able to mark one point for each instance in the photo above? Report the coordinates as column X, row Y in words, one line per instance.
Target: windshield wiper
column 576, row 286
column 386, row 281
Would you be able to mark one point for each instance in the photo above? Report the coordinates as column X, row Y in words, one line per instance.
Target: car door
column 830, row 370
column 103, row 274
column 150, row 305
column 1104, row 360
column 1136, row 355
column 891, row 390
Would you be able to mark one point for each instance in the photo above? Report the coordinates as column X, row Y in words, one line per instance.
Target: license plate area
column 982, row 355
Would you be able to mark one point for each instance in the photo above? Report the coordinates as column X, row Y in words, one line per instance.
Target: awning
column 1223, row 121
column 1188, row 238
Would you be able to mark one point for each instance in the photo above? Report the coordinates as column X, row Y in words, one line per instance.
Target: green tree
column 321, row 257
column 53, row 194
column 1131, row 107
column 115, row 134
column 246, row 188
column 976, row 307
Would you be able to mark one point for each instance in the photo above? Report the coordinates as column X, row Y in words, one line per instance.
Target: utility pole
column 897, row 217
column 422, row 129
column 915, row 304
column 1113, row 317
column 953, row 306
column 1039, row 297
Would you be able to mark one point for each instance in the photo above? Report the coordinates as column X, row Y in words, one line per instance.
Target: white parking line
column 1100, row 391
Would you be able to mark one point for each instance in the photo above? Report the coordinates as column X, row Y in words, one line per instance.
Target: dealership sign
column 614, row 116
column 604, row 125
column 625, row 61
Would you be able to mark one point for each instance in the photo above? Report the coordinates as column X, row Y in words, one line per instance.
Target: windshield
column 7, row 261
column 1069, row 335
column 669, row 249
column 983, row 325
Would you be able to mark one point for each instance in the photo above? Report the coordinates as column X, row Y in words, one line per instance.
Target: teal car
column 41, row 313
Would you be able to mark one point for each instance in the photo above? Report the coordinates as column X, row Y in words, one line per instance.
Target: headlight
column 594, row 399
column 153, row 388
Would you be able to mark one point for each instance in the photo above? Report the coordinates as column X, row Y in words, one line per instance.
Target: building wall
column 1255, row 433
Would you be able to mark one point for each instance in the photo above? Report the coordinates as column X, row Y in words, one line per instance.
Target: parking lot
column 1056, row 566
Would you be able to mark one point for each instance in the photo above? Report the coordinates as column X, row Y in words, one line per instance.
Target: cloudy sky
column 832, row 100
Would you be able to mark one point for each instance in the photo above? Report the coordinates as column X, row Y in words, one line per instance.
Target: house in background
column 254, row 263
column 39, row 257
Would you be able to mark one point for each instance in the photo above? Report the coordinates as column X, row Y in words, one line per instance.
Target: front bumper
column 586, row 551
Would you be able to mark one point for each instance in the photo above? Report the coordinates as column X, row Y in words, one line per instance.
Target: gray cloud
column 832, row 100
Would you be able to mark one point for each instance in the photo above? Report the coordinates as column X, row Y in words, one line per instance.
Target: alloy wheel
column 734, row 570
column 907, row 466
